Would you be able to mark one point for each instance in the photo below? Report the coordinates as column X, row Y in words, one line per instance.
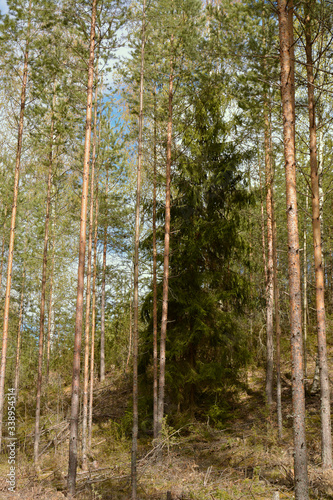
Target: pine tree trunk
column 288, row 110
column 102, row 354
column 3, row 247
column 74, row 419
column 130, row 334
column 50, row 311
column 326, row 438
column 166, row 255
column 88, row 290
column 270, row 272
column 277, row 324
column 136, row 273
column 43, row 291
column 93, row 326
column 263, row 239
column 305, row 284
column 12, row 228
column 155, row 353
column 18, row 341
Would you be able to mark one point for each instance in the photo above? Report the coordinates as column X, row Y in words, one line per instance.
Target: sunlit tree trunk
column 288, row 109
column 155, row 354
column 136, row 273
column 102, row 353
column 263, row 239
column 50, row 310
column 166, row 254
column 3, row 247
column 12, row 227
column 43, row 291
column 88, row 294
column 270, row 271
column 18, row 341
column 305, row 283
column 326, row 438
column 74, row 418
column 93, row 327
column 277, row 324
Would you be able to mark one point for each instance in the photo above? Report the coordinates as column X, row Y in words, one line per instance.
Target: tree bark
column 263, row 239
column 270, row 271
column 43, row 291
column 93, row 327
column 74, row 419
column 326, row 438
column 305, row 284
column 277, row 325
column 18, row 341
column 166, row 254
column 3, row 247
column 288, row 110
column 136, row 272
column 130, row 334
column 12, row 227
column 88, row 294
column 102, row 354
column 50, row 312
column 155, row 353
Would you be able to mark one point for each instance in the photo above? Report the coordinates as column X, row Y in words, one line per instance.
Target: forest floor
column 243, row 460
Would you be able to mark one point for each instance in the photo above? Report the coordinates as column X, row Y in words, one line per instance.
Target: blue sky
column 3, row 6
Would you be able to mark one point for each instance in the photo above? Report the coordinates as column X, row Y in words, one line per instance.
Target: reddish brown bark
column 136, row 272
column 288, row 107
column 93, row 327
column 130, row 335
column 50, row 311
column 263, row 239
column 74, row 418
column 3, row 247
column 18, row 340
column 277, row 325
column 43, row 291
column 326, row 438
column 305, row 283
column 102, row 354
column 270, row 272
column 12, row 227
column 166, row 255
column 88, row 293
column 155, row 353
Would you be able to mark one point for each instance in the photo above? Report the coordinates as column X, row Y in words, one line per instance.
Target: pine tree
column 285, row 11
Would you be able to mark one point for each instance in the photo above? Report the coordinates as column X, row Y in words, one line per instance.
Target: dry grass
column 243, row 461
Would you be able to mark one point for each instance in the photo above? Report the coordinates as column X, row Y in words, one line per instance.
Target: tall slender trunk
column 277, row 323
column 93, row 328
column 166, row 253
column 102, row 354
column 288, row 107
column 3, row 247
column 326, row 438
column 12, row 227
column 74, row 419
column 18, row 341
column 88, row 293
column 270, row 265
column 50, row 311
column 155, row 353
column 305, row 283
column 136, row 271
column 130, row 334
column 43, row 291
column 263, row 239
